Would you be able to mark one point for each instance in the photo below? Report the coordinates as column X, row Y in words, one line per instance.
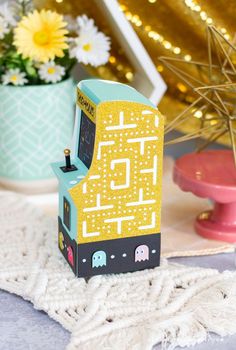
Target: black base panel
column 118, row 247
column 114, row 249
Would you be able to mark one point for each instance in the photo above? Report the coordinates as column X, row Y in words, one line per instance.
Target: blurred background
column 37, row 119
column 176, row 29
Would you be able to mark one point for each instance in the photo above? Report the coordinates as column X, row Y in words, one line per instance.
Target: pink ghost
column 141, row 253
column 70, row 256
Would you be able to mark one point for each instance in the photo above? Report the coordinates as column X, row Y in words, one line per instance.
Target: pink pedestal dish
column 211, row 174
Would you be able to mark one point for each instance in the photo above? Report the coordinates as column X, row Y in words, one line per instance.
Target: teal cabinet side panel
column 63, row 193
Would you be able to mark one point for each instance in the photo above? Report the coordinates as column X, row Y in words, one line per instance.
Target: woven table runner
column 172, row 304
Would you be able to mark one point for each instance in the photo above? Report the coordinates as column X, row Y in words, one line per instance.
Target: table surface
column 24, row 328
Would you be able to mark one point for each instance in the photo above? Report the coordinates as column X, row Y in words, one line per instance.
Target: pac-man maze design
column 117, row 200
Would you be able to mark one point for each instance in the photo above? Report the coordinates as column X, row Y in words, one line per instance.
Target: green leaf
column 30, row 69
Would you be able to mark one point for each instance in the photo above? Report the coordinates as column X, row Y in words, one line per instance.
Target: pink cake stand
column 211, row 174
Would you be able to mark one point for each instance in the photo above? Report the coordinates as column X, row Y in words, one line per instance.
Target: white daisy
column 6, row 19
column 51, row 72
column 17, row 7
column 85, row 23
column 14, row 76
column 7, row 14
column 4, row 29
column 90, row 47
column 72, row 25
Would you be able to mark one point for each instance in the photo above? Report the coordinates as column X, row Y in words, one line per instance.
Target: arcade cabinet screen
column 86, row 140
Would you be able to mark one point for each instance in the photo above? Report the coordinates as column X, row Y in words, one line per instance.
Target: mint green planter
column 36, row 124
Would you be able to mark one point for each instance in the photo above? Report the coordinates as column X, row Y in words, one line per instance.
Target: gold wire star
column 215, row 86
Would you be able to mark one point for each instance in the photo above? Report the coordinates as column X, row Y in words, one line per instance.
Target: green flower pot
column 36, row 124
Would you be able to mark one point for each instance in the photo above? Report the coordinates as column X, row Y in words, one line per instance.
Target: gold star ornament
column 215, row 88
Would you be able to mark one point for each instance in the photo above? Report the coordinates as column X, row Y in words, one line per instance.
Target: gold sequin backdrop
column 167, row 28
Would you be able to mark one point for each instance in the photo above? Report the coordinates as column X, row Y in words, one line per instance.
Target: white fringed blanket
column 172, row 305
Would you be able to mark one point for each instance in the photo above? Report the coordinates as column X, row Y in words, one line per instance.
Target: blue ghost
column 99, row 258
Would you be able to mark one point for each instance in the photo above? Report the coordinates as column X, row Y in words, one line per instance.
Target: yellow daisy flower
column 41, row 36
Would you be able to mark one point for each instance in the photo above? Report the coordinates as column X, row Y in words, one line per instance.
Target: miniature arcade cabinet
column 110, row 192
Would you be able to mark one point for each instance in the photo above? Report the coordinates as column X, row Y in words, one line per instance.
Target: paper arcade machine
column 110, row 188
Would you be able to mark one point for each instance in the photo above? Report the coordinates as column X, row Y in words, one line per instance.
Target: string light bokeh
column 166, row 28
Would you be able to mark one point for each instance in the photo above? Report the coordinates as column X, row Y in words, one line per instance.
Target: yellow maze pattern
column 121, row 194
